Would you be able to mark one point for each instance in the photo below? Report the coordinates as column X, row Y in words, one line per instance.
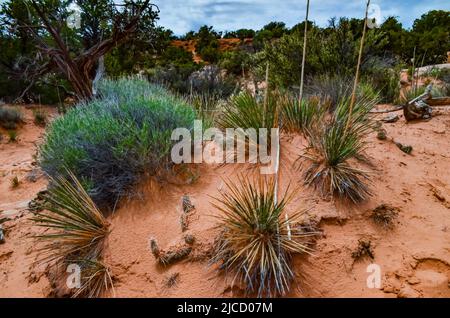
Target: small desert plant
column 301, row 116
column 40, row 117
column 338, row 141
column 363, row 249
column 384, row 215
column 76, row 233
column 12, row 134
column 172, row 280
column 10, row 117
column 15, row 182
column 257, row 241
column 78, row 227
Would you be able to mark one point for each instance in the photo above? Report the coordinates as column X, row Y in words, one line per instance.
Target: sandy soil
column 19, row 275
column 414, row 256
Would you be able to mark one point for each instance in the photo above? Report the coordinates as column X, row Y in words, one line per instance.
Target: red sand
column 414, row 256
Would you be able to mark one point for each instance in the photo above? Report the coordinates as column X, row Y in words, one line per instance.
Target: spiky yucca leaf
column 77, row 227
column 361, row 122
column 96, row 278
column 247, row 111
column 257, row 242
column 300, row 117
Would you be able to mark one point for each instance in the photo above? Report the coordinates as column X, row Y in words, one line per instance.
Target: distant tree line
column 30, row 58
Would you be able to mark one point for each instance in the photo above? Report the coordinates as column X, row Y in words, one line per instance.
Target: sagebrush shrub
column 10, row 117
column 111, row 142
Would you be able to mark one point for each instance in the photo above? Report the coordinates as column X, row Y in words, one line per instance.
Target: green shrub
column 10, row 117
column 12, row 134
column 111, row 142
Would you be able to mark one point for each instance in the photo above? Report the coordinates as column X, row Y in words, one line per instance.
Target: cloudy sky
column 182, row 16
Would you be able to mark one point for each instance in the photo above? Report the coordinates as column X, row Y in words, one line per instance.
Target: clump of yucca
column 248, row 111
column 78, row 227
column 76, row 231
column 257, row 241
column 332, row 148
column 301, row 116
column 248, row 114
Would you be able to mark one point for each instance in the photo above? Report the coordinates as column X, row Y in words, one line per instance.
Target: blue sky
column 183, row 16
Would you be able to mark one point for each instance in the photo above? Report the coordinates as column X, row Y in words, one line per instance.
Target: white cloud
column 183, row 16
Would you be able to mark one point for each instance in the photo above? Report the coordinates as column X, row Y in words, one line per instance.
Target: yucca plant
column 76, row 231
column 206, row 105
column 248, row 111
column 300, row 117
column 360, row 121
column 245, row 111
column 77, row 226
column 257, row 242
column 330, row 170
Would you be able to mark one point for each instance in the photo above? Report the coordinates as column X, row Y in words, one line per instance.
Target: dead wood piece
column 172, row 256
column 187, row 204
column 2, row 235
column 391, row 118
column 439, row 101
